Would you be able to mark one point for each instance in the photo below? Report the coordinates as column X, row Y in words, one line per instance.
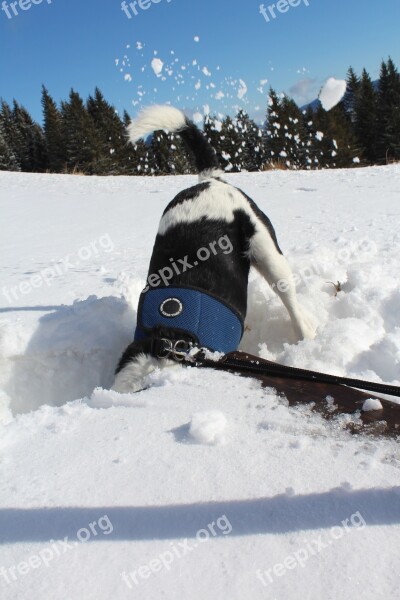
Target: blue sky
column 84, row 43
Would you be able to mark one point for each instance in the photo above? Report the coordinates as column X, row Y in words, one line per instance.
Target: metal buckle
column 167, row 347
column 177, row 350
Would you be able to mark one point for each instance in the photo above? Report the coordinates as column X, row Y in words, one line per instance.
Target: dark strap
column 238, row 361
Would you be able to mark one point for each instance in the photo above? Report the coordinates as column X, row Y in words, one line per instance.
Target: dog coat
column 202, row 317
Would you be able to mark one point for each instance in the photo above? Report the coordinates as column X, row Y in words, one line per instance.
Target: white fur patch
column 218, row 202
column 154, row 118
column 132, row 378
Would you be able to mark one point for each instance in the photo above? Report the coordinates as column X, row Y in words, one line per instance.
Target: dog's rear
column 208, row 237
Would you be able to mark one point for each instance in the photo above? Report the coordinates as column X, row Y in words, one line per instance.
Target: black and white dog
column 208, row 237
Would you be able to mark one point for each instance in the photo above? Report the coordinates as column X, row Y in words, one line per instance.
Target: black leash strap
column 261, row 367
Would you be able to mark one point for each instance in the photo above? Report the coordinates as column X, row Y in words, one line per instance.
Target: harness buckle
column 177, row 350
column 181, row 349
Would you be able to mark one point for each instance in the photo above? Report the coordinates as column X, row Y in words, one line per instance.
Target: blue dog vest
column 208, row 320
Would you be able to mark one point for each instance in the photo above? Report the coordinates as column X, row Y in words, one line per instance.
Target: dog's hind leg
column 273, row 266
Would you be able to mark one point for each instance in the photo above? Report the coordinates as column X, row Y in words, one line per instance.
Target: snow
column 242, row 91
column 372, row 404
column 204, row 485
column 332, row 92
column 157, row 66
column 208, row 427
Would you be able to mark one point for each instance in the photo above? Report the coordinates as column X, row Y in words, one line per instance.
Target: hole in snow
column 72, row 350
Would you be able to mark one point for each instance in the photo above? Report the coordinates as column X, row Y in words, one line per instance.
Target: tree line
column 90, row 137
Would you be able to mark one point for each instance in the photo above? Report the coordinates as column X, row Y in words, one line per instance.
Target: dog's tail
column 173, row 120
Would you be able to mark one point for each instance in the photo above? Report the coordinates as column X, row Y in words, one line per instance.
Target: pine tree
column 181, row 157
column 230, row 146
column 252, row 157
column 135, row 157
column 314, row 143
column 389, row 113
column 212, row 131
column 40, row 160
column 323, row 149
column 10, row 131
column 343, row 138
column 112, row 135
column 294, row 134
column 161, row 162
column 351, row 96
column 126, row 119
column 336, row 147
column 30, row 142
column 274, row 132
column 53, row 133
column 286, row 133
column 8, row 161
column 82, row 143
column 140, row 158
column 366, row 119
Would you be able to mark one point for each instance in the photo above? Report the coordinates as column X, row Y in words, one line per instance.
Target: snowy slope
column 205, row 485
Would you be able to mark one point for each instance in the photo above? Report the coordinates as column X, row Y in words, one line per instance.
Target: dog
column 208, row 238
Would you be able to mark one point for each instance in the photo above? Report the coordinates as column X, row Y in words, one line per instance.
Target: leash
column 186, row 352
column 261, row 367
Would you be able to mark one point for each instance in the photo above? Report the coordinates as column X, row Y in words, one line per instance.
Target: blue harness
column 206, row 320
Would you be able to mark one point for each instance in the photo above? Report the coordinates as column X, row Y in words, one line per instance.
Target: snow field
column 307, row 510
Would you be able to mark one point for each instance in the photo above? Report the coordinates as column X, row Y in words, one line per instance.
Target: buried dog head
column 208, row 237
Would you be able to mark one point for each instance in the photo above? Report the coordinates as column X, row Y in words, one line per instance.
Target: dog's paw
column 308, row 332
column 305, row 330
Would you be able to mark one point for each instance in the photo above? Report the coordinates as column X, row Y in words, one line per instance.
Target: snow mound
column 208, row 427
column 65, row 355
column 372, row 404
column 102, row 398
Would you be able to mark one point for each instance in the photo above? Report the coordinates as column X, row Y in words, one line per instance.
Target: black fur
column 203, row 153
column 224, row 275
